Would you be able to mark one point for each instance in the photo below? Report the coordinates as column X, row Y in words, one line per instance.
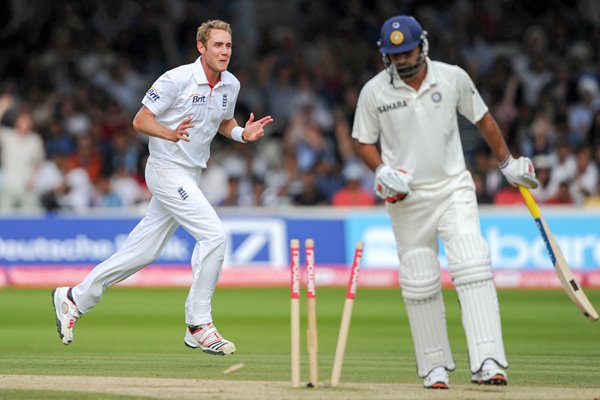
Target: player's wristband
column 237, row 134
column 502, row 164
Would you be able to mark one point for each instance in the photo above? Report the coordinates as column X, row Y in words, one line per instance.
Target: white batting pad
column 422, row 293
column 469, row 259
column 469, row 263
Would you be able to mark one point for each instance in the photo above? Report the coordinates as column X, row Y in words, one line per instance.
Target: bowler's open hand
column 254, row 130
column 180, row 133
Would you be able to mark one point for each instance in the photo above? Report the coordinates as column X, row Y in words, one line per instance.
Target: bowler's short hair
column 203, row 32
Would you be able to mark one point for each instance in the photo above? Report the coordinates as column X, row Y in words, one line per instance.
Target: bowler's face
column 217, row 52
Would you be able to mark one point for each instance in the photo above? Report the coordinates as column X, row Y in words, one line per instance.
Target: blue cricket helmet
column 400, row 34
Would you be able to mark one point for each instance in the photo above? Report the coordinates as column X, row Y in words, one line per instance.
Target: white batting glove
column 519, row 171
column 391, row 185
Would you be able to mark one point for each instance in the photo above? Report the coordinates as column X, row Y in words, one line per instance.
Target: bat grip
column 530, row 201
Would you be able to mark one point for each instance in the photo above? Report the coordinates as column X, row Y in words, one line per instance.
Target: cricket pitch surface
column 230, row 389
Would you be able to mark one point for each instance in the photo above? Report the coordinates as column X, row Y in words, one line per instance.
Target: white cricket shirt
column 418, row 131
column 184, row 91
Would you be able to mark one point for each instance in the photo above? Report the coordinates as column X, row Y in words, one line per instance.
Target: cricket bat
column 564, row 273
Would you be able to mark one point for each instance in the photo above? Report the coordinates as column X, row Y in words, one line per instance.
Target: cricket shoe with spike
column 436, row 379
column 66, row 314
column 490, row 374
column 209, row 340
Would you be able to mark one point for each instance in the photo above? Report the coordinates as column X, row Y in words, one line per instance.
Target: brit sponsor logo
column 198, row 99
column 152, row 94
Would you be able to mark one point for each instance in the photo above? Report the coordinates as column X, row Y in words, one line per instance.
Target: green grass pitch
column 139, row 333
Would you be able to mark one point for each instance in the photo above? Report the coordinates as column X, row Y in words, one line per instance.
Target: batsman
column 406, row 126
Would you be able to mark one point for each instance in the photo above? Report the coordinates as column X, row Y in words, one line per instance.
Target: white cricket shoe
column 437, row 379
column 209, row 340
column 490, row 373
column 66, row 314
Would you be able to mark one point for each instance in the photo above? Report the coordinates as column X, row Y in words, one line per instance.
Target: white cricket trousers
column 177, row 201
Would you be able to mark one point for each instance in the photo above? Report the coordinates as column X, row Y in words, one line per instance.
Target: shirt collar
column 198, row 72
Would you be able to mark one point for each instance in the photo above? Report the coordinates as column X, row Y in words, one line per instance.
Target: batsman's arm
column 369, row 153
column 492, row 134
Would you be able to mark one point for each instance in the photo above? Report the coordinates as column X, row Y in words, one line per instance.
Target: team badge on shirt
column 224, row 101
column 436, row 97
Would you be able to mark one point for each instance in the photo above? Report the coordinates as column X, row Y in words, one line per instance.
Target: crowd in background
column 72, row 75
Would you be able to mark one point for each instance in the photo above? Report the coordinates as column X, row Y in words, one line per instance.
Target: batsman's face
column 407, row 58
column 217, row 52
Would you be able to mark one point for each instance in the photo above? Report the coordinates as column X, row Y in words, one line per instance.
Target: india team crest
column 396, row 37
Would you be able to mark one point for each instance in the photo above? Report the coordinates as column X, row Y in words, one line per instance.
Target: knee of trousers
column 216, row 236
column 420, row 275
column 469, row 259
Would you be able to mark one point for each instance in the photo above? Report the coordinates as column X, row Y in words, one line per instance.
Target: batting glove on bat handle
column 519, row 171
column 391, row 185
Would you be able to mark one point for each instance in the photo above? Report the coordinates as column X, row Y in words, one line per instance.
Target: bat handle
column 530, row 201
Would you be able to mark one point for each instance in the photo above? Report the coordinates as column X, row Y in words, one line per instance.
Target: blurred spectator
column 51, row 181
column 259, row 193
column 87, row 157
column 564, row 165
column 123, row 184
column 352, row 193
column 21, row 153
column 123, row 84
column 542, row 164
column 585, row 179
column 307, row 193
column 581, row 114
column 593, row 134
column 75, row 120
column 104, row 196
column 532, row 66
column 213, row 182
column 57, row 139
column 594, row 200
column 83, row 75
column 562, row 196
column 508, row 195
column 232, row 199
column 327, row 177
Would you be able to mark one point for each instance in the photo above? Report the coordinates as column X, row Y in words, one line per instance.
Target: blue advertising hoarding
column 513, row 238
column 259, row 242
